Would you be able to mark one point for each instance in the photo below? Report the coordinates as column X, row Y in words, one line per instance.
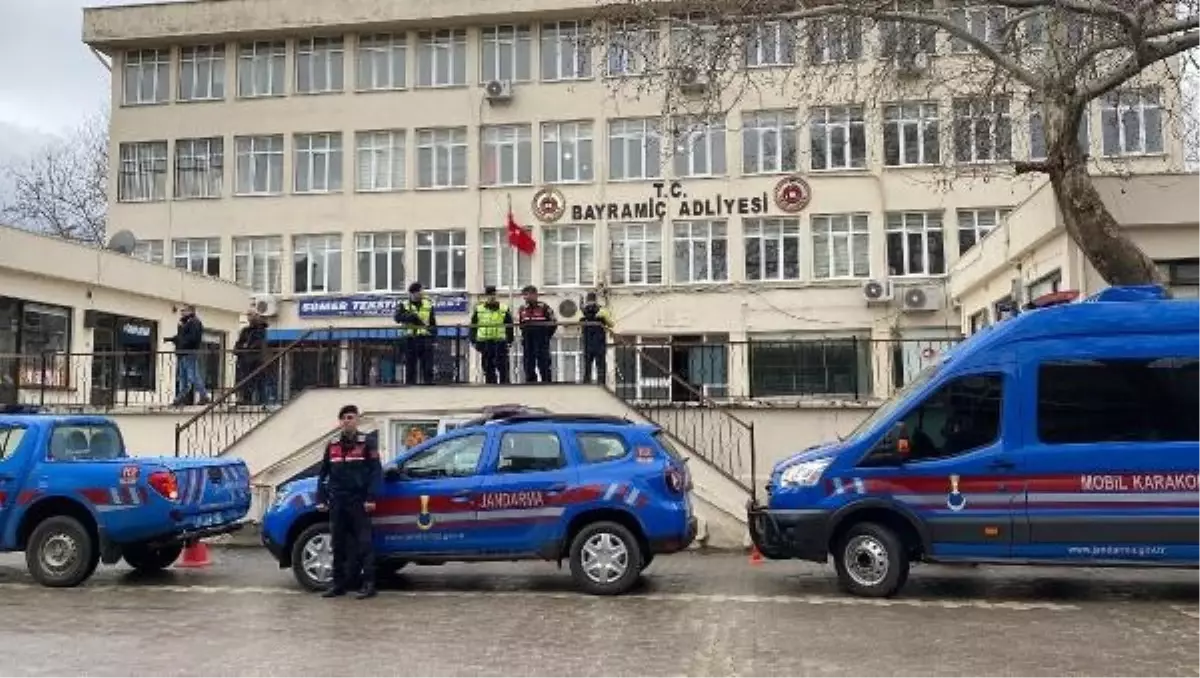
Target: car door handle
column 461, row 497
column 6, row 476
column 1002, row 465
column 556, row 488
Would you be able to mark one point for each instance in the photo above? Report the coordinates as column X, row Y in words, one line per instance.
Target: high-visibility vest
column 423, row 311
column 489, row 323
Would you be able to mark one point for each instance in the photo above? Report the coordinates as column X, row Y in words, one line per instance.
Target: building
column 326, row 154
column 90, row 329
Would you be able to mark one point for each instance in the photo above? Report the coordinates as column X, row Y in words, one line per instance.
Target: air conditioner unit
column 692, row 80
column 922, row 299
column 912, row 64
column 567, row 308
column 877, row 291
column 498, row 91
column 266, row 305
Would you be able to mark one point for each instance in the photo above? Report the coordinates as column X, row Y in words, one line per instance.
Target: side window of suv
column 454, row 458
column 10, row 440
column 962, row 415
column 601, row 447
column 530, row 451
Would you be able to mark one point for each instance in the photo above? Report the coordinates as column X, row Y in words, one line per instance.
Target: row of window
column 770, row 143
column 837, row 246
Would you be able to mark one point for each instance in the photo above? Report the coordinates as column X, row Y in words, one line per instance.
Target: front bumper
column 789, row 533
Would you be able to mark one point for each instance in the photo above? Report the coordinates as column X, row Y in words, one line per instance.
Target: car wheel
column 646, row 560
column 605, row 559
column 144, row 558
column 312, row 558
column 871, row 561
column 61, row 553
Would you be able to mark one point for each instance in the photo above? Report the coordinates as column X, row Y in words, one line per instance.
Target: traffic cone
column 195, row 555
column 756, row 556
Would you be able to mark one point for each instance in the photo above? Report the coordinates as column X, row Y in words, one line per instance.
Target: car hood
column 301, row 485
column 818, row 451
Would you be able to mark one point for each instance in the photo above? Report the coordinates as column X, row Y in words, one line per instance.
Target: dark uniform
column 537, row 329
column 491, row 334
column 596, row 323
column 350, row 476
column 420, row 327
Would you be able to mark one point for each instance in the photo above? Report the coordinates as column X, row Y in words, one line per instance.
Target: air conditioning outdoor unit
column 912, row 64
column 266, row 305
column 877, row 291
column 498, row 91
column 692, row 80
column 922, row 299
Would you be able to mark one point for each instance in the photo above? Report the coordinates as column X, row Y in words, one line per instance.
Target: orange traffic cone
column 195, row 555
column 756, row 556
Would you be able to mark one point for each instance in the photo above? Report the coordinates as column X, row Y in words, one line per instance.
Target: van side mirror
column 893, row 449
column 394, row 474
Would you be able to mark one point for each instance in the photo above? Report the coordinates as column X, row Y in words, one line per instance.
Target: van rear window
column 669, row 445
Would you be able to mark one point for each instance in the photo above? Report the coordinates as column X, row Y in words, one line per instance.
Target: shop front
column 35, row 340
column 126, row 356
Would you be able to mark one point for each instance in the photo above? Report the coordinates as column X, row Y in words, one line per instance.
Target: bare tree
column 1057, row 55
column 61, row 189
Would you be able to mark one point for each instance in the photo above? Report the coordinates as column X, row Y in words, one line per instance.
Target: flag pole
column 515, row 257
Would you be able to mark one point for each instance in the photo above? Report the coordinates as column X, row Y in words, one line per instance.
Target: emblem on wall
column 549, row 204
column 792, row 194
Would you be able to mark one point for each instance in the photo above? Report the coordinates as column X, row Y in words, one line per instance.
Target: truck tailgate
column 211, row 485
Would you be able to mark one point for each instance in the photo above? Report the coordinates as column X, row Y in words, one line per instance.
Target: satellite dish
column 123, row 242
column 567, row 308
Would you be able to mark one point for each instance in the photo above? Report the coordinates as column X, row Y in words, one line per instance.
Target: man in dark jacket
column 251, row 352
column 491, row 334
column 188, row 340
column 537, row 329
column 596, row 322
column 420, row 329
column 346, row 487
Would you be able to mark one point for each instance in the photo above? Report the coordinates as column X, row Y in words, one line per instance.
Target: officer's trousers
column 353, row 549
column 535, row 360
column 495, row 361
column 597, row 358
column 418, row 359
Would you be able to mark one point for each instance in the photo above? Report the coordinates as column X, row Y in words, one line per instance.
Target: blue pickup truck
column 71, row 497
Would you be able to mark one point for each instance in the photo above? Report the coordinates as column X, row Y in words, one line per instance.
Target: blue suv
column 602, row 492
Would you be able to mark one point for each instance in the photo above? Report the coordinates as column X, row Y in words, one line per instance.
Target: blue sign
column 372, row 306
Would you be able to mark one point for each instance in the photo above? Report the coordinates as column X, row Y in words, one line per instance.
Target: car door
column 11, row 468
column 428, row 501
column 528, row 474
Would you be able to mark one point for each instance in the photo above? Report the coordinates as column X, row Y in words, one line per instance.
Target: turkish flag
column 520, row 237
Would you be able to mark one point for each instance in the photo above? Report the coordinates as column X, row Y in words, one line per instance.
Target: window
column 454, row 458
column 147, row 76
column 530, row 452
column 635, row 254
column 202, row 73
column 143, row 172
column 11, row 437
column 914, row 243
column 841, row 246
column 694, row 40
column 502, row 261
column 568, row 257
column 631, row 51
column 566, row 357
column 1182, row 276
column 259, row 165
column 1105, row 400
column 85, row 443
column 768, row 142
column 505, row 53
column 442, row 259
column 902, row 40
column 380, row 262
column 320, row 65
column 1132, row 123
column 960, row 416
column 198, row 255
column 973, row 225
column 258, row 263
column 566, row 51
column 149, row 250
column 1004, row 308
column 981, row 21
column 772, row 249
column 771, row 43
column 567, row 152
column 507, row 156
column 679, row 368
column 317, row 264
column 125, row 355
column 699, row 148
column 1047, row 284
column 839, row 140
column 598, row 448
column 381, row 161
column 442, row 157
column 39, row 335
column 261, row 69
column 791, row 367
column 319, row 162
column 1037, row 134
column 834, row 39
column 700, row 252
column 982, row 130
column 442, row 58
column 199, row 167
column 382, row 62
column 634, row 149
column 978, row 320
column 911, row 134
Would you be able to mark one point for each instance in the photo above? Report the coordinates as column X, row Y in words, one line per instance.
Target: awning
column 355, row 334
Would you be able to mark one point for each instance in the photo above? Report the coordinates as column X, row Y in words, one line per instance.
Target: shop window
column 212, row 360
column 681, row 368
column 125, row 355
column 795, row 367
column 36, row 339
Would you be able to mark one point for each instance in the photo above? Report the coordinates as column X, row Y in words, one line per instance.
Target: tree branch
column 1138, row 61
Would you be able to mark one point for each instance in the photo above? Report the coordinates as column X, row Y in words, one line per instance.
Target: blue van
column 1067, row 435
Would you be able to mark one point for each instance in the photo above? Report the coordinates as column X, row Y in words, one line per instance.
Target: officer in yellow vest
column 420, row 331
column 491, row 334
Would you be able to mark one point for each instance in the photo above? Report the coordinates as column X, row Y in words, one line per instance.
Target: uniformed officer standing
column 349, row 478
column 537, row 328
column 420, row 326
column 596, row 322
column 491, row 334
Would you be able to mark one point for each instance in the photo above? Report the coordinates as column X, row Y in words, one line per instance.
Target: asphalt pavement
column 693, row 614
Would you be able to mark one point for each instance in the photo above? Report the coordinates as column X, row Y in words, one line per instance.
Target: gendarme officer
column 420, row 325
column 350, row 476
column 491, row 334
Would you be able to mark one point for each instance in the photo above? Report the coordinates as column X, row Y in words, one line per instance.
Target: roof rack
column 557, row 417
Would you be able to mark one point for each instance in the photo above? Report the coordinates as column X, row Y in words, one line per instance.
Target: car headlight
column 281, row 498
column 804, row 474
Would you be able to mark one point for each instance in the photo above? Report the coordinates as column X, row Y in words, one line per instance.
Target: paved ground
column 694, row 615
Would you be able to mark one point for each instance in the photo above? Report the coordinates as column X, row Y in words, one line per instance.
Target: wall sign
column 371, row 306
column 668, row 200
column 132, row 330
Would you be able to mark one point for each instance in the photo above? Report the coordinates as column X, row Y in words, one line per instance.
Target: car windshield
column 889, row 406
column 88, row 442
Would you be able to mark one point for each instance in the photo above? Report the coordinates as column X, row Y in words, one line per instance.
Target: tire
column 871, row 561
column 61, row 553
column 146, row 559
column 646, row 560
column 315, row 573
column 620, row 559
